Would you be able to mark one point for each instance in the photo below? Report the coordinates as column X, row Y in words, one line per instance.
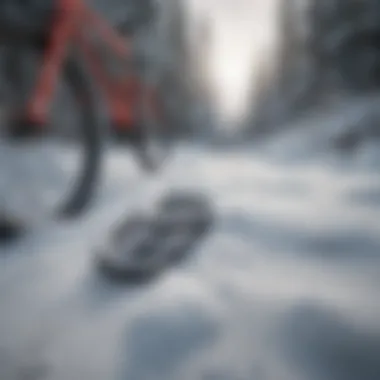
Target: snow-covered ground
column 284, row 288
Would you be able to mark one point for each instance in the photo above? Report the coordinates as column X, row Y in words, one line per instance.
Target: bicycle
column 135, row 107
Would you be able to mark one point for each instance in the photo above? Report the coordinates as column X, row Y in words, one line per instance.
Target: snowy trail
column 285, row 287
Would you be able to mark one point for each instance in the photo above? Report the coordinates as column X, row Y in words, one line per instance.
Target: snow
column 285, row 286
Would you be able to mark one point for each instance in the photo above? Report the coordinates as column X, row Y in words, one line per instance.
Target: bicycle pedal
column 23, row 130
column 129, row 135
column 10, row 230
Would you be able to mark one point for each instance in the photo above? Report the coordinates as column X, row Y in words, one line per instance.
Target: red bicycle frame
column 72, row 20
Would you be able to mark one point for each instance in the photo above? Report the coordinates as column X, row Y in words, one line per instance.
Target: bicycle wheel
column 154, row 140
column 54, row 172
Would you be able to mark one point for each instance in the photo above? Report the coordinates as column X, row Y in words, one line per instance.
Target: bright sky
column 242, row 43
